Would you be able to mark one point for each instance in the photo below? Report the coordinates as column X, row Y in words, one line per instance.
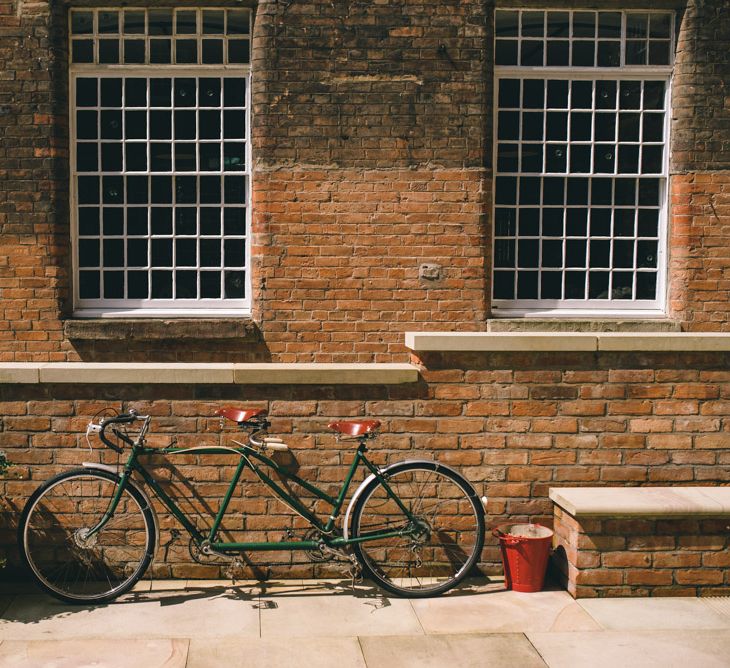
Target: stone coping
column 567, row 341
column 643, row 501
column 180, row 373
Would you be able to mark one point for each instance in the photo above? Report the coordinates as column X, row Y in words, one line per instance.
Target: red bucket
column 525, row 553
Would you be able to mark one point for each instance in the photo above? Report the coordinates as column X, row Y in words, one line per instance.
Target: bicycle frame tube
column 247, row 454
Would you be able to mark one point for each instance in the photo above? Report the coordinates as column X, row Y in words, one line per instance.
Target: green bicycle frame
column 248, row 455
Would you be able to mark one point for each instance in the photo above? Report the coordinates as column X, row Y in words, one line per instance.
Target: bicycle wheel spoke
column 441, row 542
column 66, row 523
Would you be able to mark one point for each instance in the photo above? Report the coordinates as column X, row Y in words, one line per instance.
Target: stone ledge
column 325, row 374
column 647, row 502
column 179, row 329
column 118, row 373
column 598, row 325
column 567, row 341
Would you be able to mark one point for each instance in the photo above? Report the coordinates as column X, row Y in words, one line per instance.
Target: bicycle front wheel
column 70, row 560
column 437, row 546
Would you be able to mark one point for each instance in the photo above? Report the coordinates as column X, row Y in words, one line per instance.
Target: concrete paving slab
column 635, row 614
column 164, row 614
column 273, row 653
column 504, row 650
column 150, row 653
column 334, row 611
column 502, row 611
column 719, row 604
column 635, row 649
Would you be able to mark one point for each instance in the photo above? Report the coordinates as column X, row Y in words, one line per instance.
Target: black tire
column 53, row 547
column 450, row 545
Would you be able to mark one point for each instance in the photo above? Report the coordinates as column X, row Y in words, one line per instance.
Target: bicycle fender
column 367, row 481
column 115, row 471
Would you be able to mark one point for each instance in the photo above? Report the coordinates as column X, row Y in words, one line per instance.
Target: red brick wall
column 514, row 424
column 699, row 265
column 339, row 252
column 599, row 557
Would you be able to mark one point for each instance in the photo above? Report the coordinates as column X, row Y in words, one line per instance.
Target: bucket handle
column 505, row 538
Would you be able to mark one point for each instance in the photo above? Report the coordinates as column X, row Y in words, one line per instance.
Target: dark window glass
column 111, row 92
column 89, row 284
column 161, row 284
column 137, row 253
column 597, row 283
column 238, row 22
column 161, row 220
column 527, row 285
column 552, row 223
column 646, row 285
column 135, row 124
column 88, row 221
column 551, row 285
column 186, row 285
column 86, row 157
column 88, row 189
column 137, row 187
column 532, row 53
column 212, row 51
column 575, row 285
column 113, row 285
column 235, row 191
column 533, row 24
column 113, row 221
column 210, row 284
column 160, row 51
column 235, row 284
column 109, row 22
column 89, row 253
column 137, row 285
column 557, row 94
column 609, row 54
column 210, row 253
column 86, row 92
column 583, row 54
column 213, row 22
column 504, row 284
column 134, row 22
column 82, row 23
column 584, row 24
column 210, row 221
column 160, row 92
column 505, row 52
column 161, row 189
column 134, row 51
column 160, row 22
column 529, row 222
column 509, row 93
column 186, row 22
column 210, row 189
column 137, row 221
column 238, row 51
column 184, row 92
column 209, row 92
column 506, row 23
column 186, row 51
column 210, row 157
column 109, row 51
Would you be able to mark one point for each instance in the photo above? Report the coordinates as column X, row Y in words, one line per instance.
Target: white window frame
column 589, row 307
column 159, row 308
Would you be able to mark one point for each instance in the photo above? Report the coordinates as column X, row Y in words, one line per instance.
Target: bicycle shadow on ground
column 32, row 606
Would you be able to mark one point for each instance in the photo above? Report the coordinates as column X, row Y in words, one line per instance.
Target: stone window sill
column 566, row 341
column 148, row 329
column 210, row 373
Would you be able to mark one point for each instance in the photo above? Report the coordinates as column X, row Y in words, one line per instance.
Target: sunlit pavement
column 328, row 623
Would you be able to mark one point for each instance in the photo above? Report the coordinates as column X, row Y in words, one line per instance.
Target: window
column 160, row 160
column 581, row 165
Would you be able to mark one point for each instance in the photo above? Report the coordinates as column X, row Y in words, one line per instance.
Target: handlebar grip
column 124, row 418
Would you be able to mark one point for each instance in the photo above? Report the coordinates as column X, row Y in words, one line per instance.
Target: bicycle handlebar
column 124, row 418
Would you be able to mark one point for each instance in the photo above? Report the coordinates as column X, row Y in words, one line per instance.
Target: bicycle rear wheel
column 437, row 551
column 76, row 567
